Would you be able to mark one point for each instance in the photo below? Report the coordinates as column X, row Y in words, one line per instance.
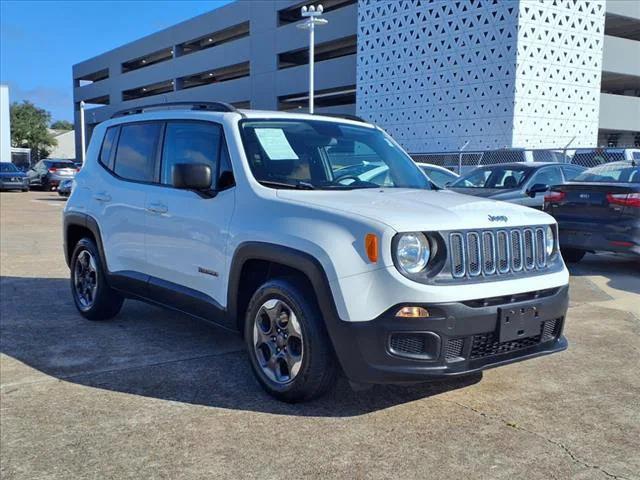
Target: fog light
column 412, row 312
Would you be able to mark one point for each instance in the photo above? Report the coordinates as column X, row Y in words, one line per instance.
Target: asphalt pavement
column 155, row 394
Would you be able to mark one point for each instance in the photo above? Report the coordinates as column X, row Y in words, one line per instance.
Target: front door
column 548, row 176
column 187, row 232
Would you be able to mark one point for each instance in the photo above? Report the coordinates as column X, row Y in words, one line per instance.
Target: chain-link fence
column 463, row 161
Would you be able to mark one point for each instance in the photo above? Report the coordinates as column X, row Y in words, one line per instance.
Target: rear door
column 129, row 154
column 187, row 232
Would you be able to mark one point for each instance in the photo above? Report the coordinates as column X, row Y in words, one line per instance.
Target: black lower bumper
column 456, row 339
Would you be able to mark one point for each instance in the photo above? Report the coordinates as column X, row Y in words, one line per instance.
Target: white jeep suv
column 244, row 219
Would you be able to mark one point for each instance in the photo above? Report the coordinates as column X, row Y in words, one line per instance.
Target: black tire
column 572, row 255
column 25, row 189
column 318, row 369
column 106, row 302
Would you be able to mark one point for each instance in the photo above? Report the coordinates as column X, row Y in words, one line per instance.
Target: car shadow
column 621, row 271
column 161, row 354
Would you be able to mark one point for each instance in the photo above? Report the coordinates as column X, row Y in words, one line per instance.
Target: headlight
column 550, row 241
column 412, row 252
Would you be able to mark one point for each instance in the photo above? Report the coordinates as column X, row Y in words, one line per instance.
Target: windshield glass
column 493, row 177
column 620, row 172
column 6, row 167
column 315, row 154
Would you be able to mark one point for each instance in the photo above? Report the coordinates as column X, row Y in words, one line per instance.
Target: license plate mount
column 518, row 322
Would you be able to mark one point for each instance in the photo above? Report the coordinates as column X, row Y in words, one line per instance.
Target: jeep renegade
column 270, row 223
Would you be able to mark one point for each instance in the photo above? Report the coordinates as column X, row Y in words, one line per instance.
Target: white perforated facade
column 436, row 73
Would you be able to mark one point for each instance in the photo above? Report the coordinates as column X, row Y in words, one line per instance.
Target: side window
column 107, row 146
column 136, row 152
column 547, row 176
column 570, row 173
column 190, row 142
column 225, row 179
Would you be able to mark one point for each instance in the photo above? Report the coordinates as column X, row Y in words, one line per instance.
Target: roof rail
column 209, row 106
column 346, row 116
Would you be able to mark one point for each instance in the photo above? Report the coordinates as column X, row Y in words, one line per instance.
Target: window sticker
column 275, row 144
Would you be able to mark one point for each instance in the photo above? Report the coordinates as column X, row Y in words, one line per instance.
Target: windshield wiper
column 294, row 186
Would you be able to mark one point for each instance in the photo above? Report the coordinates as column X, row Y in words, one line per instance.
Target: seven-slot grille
column 497, row 251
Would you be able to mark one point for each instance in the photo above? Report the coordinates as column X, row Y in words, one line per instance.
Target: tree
column 29, row 129
column 62, row 125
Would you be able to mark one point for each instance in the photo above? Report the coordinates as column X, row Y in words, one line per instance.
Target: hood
column 486, row 192
column 407, row 210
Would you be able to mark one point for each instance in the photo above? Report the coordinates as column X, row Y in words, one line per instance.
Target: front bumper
column 13, row 185
column 457, row 338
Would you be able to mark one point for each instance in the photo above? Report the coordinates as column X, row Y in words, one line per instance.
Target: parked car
column 47, row 174
column 11, row 178
column 441, row 177
column 390, row 282
column 598, row 211
column 64, row 189
column 520, row 182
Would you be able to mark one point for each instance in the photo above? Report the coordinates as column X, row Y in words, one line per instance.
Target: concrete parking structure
column 155, row 394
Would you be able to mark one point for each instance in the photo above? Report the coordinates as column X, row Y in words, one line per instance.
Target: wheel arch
column 79, row 225
column 277, row 259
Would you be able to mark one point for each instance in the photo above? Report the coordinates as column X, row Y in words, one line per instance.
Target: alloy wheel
column 85, row 279
column 277, row 340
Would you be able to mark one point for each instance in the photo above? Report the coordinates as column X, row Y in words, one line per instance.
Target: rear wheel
column 572, row 255
column 289, row 349
column 92, row 295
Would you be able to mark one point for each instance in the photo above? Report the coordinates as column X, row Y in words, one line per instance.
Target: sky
column 41, row 40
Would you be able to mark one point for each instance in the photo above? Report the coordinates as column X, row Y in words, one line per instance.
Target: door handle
column 157, row 207
column 102, row 197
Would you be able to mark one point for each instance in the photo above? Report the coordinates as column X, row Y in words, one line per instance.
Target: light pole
column 312, row 14
column 83, row 140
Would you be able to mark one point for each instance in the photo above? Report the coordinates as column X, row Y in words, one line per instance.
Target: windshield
column 315, row 154
column 620, row 172
column 493, row 177
column 6, row 167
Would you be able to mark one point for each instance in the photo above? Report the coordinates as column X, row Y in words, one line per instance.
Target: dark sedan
column 11, row 178
column 48, row 173
column 524, row 183
column 598, row 211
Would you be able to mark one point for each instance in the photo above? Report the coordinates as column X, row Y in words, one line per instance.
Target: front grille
column 408, row 344
column 488, row 344
column 453, row 349
column 497, row 251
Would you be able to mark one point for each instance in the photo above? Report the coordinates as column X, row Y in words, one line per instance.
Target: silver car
column 524, row 183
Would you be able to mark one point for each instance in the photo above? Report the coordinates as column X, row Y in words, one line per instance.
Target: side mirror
column 537, row 188
column 191, row 176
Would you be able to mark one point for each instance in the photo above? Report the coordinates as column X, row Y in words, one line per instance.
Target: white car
column 239, row 218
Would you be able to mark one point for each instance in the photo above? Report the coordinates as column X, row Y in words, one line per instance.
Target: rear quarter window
column 108, row 144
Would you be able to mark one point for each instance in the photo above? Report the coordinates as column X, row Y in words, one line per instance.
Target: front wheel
column 92, row 295
column 289, row 348
column 572, row 255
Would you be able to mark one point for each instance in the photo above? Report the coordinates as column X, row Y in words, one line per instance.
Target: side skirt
column 172, row 296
